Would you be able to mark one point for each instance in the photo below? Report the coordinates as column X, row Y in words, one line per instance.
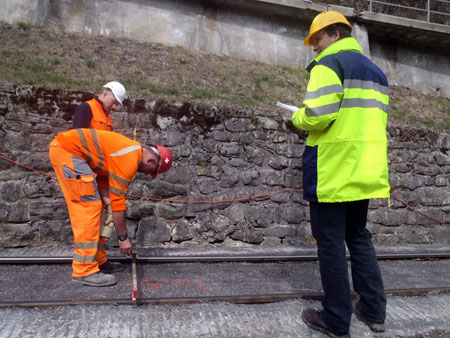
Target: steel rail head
column 217, row 259
column 234, row 299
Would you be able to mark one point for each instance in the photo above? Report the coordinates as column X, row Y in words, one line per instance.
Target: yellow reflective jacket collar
column 346, row 44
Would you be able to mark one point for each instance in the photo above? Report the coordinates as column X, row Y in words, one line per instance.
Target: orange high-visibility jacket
column 100, row 120
column 109, row 155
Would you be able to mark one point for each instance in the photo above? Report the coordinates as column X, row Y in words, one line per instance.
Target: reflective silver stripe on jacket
column 119, row 179
column 122, row 181
column 117, row 191
column 336, row 88
column 346, row 103
column 85, row 145
column 100, row 156
column 85, row 245
column 354, row 83
column 84, row 259
column 323, row 110
column 364, row 103
column 126, row 150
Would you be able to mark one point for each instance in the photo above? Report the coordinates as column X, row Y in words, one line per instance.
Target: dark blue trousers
column 333, row 225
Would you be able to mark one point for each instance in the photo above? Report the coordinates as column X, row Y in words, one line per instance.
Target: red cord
column 232, row 200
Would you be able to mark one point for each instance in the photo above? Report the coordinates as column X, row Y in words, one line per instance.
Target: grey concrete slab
column 54, row 282
column 206, row 279
column 226, row 279
column 67, row 251
column 51, row 251
column 406, row 317
column 281, row 250
column 415, row 274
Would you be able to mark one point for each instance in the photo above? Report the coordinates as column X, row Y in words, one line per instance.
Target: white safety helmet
column 117, row 89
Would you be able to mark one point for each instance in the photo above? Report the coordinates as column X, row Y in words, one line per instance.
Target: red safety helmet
column 165, row 159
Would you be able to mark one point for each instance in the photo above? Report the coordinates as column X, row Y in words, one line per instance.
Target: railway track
column 216, row 258
column 238, row 299
column 413, row 309
column 137, row 297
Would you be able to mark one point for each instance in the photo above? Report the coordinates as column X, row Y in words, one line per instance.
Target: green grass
column 257, row 97
column 264, row 78
column 146, row 88
column 37, row 66
column 397, row 113
column 31, row 70
column 244, row 100
column 446, row 124
column 24, row 25
column 225, row 91
column 54, row 61
column 445, row 109
column 90, row 63
column 170, row 91
column 202, row 162
column 428, row 123
column 202, row 94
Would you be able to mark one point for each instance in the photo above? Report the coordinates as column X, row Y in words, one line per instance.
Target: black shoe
column 312, row 319
column 375, row 327
column 110, row 267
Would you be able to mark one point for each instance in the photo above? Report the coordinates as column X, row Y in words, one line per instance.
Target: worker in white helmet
column 96, row 114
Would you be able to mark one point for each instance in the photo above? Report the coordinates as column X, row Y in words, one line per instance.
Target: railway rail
column 265, row 297
column 215, row 258
column 238, row 299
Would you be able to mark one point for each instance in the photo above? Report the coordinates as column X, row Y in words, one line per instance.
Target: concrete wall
column 427, row 71
column 268, row 31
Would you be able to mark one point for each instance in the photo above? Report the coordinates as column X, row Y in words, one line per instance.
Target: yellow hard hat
column 323, row 20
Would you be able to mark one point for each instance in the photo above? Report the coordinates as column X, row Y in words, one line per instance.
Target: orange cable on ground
column 234, row 199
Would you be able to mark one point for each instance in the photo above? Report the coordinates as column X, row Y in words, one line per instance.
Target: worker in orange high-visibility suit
column 78, row 156
column 96, row 114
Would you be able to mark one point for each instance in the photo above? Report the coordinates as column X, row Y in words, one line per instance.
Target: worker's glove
column 107, row 223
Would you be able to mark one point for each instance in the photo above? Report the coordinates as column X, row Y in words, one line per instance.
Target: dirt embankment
column 56, row 59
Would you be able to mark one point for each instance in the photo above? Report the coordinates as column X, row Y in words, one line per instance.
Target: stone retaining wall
column 220, row 153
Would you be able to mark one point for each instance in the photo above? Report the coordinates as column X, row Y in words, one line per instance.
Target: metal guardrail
column 426, row 10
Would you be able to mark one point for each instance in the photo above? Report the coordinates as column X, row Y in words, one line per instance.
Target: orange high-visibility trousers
column 79, row 187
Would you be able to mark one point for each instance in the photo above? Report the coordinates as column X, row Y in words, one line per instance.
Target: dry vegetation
column 54, row 59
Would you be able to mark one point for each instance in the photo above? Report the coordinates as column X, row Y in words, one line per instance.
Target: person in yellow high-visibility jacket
column 78, row 156
column 344, row 165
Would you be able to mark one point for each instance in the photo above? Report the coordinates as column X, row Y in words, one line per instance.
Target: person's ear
column 150, row 158
column 337, row 35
